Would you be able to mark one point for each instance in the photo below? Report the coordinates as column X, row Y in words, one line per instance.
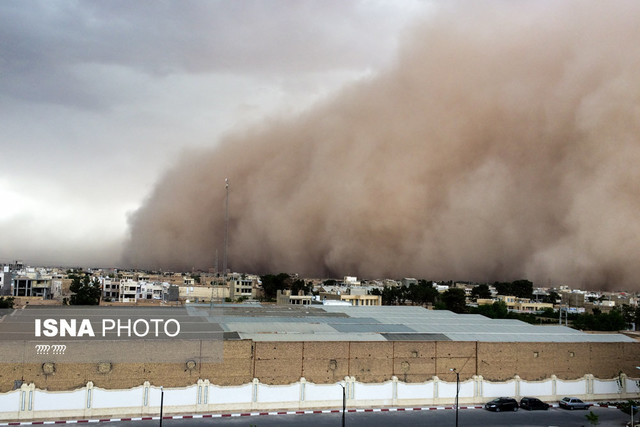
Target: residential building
column 520, row 305
column 5, row 280
column 285, row 298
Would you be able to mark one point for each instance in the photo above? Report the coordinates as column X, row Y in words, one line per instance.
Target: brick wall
column 329, row 362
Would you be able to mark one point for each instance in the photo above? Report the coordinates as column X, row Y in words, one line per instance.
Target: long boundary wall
column 277, row 363
column 31, row 403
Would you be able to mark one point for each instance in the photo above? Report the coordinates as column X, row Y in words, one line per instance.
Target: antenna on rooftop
column 226, row 230
column 226, row 239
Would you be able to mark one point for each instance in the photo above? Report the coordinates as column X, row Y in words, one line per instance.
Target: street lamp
column 161, row 403
column 631, row 405
column 344, row 401
column 457, row 390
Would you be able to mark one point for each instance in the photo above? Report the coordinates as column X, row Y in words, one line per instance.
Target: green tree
column 6, row 302
column 422, row 293
column 552, row 298
column 272, row 283
column 330, row 282
column 481, row 291
column 389, row 295
column 86, row 290
column 300, row 285
column 599, row 321
column 455, row 300
column 518, row 288
column 497, row 310
column 628, row 313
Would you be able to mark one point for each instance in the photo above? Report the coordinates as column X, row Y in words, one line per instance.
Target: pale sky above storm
column 97, row 99
column 470, row 140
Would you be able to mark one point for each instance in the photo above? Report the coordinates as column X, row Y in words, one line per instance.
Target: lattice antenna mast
column 226, row 230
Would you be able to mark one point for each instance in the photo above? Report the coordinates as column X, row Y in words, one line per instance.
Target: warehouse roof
column 315, row 323
column 389, row 323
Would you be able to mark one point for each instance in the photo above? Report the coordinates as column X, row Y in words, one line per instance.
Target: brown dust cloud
column 502, row 143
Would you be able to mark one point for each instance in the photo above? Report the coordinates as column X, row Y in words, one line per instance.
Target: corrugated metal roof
column 415, row 337
column 314, row 337
column 342, row 323
column 373, row 327
column 278, row 328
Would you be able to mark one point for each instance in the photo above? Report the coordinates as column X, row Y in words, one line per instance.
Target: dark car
column 573, row 403
column 502, row 404
column 533, row 403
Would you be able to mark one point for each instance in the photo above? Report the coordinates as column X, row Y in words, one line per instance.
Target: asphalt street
column 468, row 417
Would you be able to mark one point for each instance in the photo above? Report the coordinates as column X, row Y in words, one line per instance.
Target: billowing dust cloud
column 502, row 144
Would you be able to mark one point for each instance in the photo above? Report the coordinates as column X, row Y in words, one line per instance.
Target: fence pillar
column 394, row 390
column 622, row 384
column 88, row 399
column 477, row 387
column 303, row 385
column 206, row 384
column 145, row 397
column 554, row 392
column 202, row 395
column 254, row 390
column 350, row 384
column 27, row 394
column 436, row 394
column 589, row 379
column 517, row 388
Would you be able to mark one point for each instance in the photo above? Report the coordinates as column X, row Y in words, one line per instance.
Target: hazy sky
column 501, row 143
column 473, row 140
column 98, row 98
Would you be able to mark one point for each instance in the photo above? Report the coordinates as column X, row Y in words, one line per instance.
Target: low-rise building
column 31, row 286
column 5, row 280
column 284, row 297
column 110, row 289
column 128, row 290
column 520, row 305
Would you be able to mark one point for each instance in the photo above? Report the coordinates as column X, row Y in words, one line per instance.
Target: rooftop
column 313, row 323
column 389, row 323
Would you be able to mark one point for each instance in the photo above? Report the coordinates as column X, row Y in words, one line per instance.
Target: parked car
column 573, row 403
column 533, row 403
column 502, row 404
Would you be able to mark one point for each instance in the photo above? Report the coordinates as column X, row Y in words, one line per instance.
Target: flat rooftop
column 312, row 323
column 388, row 323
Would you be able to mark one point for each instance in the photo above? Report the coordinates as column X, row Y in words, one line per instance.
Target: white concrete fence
column 28, row 403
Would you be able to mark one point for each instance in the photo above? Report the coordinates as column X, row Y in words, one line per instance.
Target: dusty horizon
column 500, row 145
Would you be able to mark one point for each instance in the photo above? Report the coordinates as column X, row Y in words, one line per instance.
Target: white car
column 573, row 403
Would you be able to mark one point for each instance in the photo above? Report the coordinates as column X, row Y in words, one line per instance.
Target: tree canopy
column 455, row 300
column 271, row 283
column 518, row 288
column 86, row 290
column 481, row 291
column 6, row 302
column 417, row 294
column 598, row 321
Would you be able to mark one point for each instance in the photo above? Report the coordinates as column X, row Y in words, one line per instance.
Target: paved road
column 468, row 417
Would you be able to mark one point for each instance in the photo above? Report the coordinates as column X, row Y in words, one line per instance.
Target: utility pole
column 161, row 403
column 344, row 401
column 226, row 230
column 454, row 370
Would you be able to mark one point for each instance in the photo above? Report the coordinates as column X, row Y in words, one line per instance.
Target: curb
column 254, row 414
column 239, row 414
